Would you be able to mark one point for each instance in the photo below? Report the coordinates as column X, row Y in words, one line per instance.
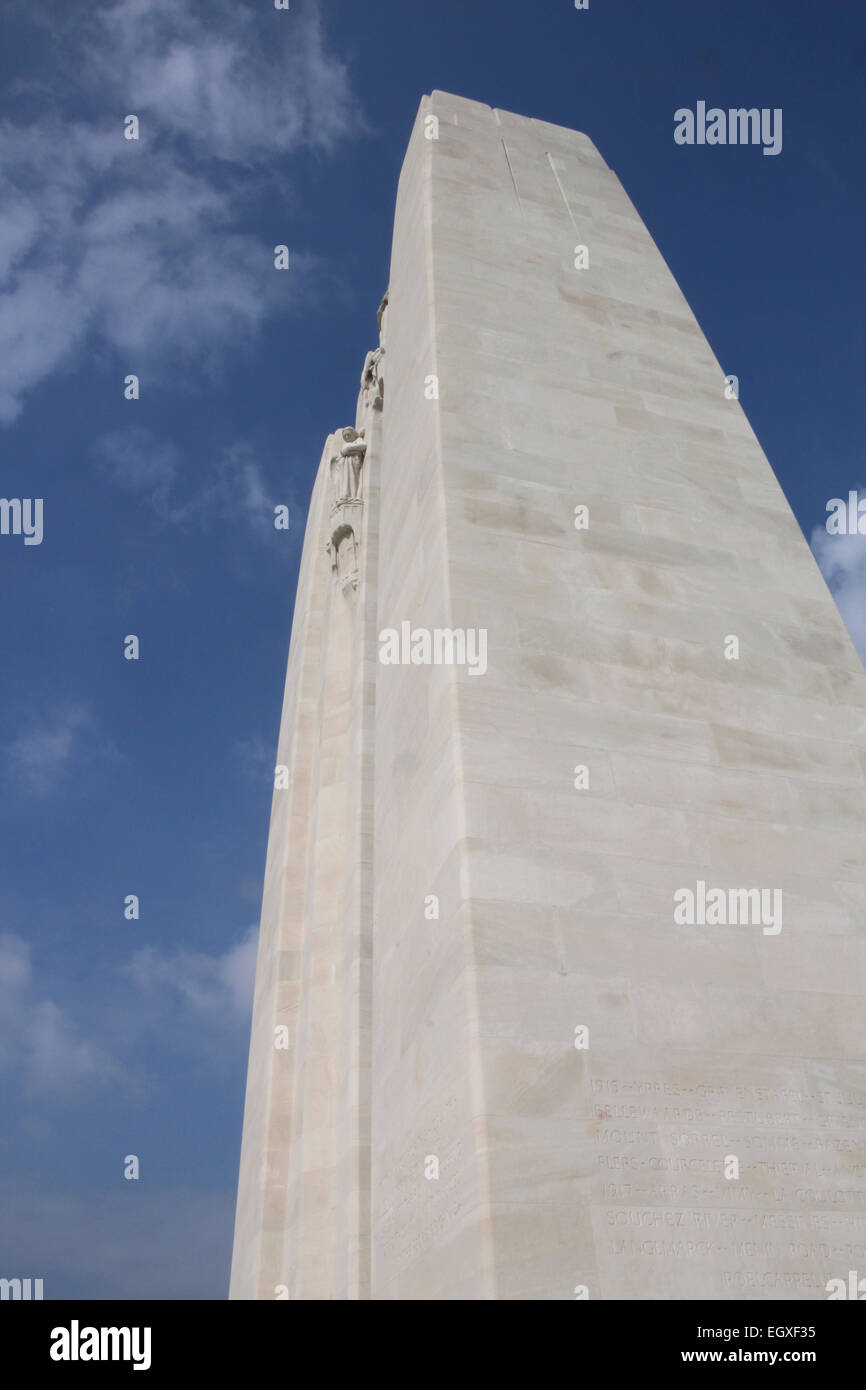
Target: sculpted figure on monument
column 346, row 466
column 343, row 554
column 382, row 316
column 372, row 384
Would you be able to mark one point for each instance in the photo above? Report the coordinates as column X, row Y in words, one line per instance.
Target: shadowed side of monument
column 303, row 1225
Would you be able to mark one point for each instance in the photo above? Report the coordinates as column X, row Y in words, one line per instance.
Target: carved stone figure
column 382, row 316
column 346, row 465
column 343, row 554
column 372, row 383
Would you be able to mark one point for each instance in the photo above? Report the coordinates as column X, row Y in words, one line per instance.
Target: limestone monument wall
column 567, row 942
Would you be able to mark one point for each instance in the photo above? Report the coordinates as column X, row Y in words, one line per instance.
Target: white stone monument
column 562, row 964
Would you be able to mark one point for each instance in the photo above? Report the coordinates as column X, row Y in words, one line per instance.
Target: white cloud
column 242, row 82
column 217, row 986
column 38, row 1041
column 257, row 761
column 50, row 1054
column 843, row 563
column 235, row 489
column 19, row 227
column 141, row 464
column 138, row 243
column 63, row 741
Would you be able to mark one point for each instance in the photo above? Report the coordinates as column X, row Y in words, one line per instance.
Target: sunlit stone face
column 565, row 944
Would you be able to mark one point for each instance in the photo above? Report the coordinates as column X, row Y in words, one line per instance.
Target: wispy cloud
column 39, row 1042
column 54, row 745
column 219, row 986
column 241, row 82
column 51, row 1055
column 843, row 564
column 256, row 759
column 146, row 251
column 234, row 490
column 142, row 465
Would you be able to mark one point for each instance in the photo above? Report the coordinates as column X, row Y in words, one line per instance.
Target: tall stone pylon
column 562, row 957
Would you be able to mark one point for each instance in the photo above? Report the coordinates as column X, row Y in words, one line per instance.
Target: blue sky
column 155, row 257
